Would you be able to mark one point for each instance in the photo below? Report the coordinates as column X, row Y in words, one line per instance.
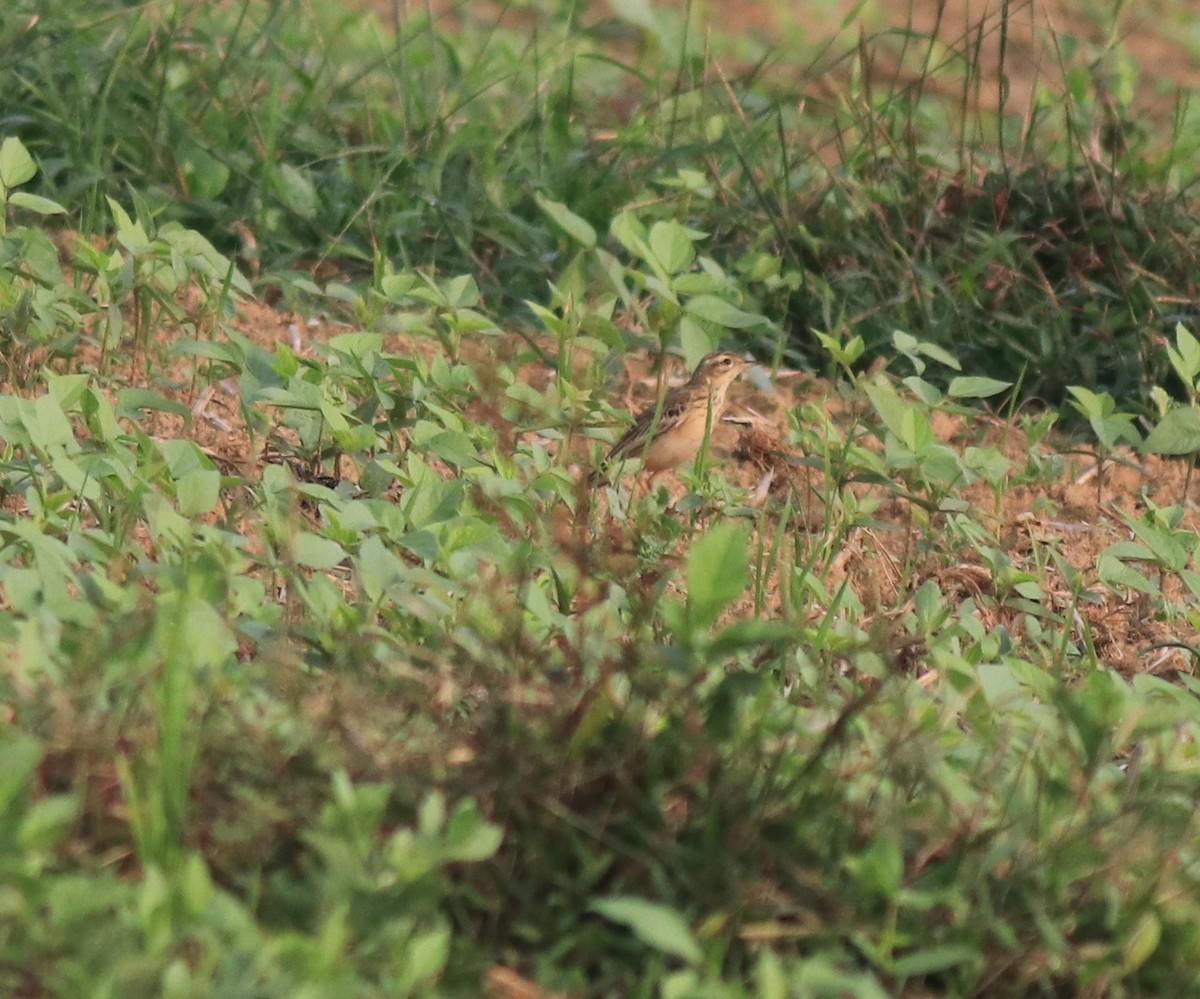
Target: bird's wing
column 634, row 439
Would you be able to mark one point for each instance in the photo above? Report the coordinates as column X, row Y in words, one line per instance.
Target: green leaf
column 131, row 235
column 1176, row 433
column 879, row 869
column 16, row 165
column 716, row 310
column 577, row 228
column 130, row 400
column 1143, row 940
column 314, row 552
column 377, row 567
column 296, row 191
column 845, row 354
column 988, row 463
column 425, row 957
column 453, row 447
column 19, row 757
column 628, row 230
column 672, row 246
column 940, row 354
column 1116, row 574
column 1089, row 403
column 197, row 491
column 656, row 925
column 461, row 291
column 205, row 175
column 69, row 390
column 35, row 203
column 903, row 419
column 469, row 837
column 47, row 821
column 47, row 424
column 695, row 340
column 976, row 387
column 769, row 979
column 931, row 959
column 717, row 570
column 1185, row 355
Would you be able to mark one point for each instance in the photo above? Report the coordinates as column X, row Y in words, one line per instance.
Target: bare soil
column 1075, row 517
column 1017, row 45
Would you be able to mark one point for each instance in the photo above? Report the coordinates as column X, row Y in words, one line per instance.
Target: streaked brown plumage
column 673, row 434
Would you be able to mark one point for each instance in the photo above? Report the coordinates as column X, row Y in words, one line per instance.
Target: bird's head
column 718, row 369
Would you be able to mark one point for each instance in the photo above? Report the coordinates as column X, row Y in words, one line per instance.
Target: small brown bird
column 666, row 436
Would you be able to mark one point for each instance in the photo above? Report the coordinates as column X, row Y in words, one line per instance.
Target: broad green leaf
column 377, row 567
column 903, row 419
column 672, row 246
column 47, row 424
column 69, row 390
column 77, row 477
column 454, row 448
column 425, row 957
column 431, row 815
column 925, row 391
column 998, row 684
column 19, row 757
column 358, row 344
column 976, row 387
column 879, row 869
column 988, row 463
column 931, row 959
column 334, row 414
column 1171, row 548
column 198, row 491
column 16, row 165
column 940, row 354
column 74, row 898
column 1176, row 433
column 130, row 234
column 296, row 191
column 1142, row 941
column 461, row 292
column 769, row 979
column 47, row 821
column 36, row 204
column 656, row 925
column 469, row 837
column 314, row 552
column 577, row 228
column 1089, row 403
column 205, row 175
column 1185, row 355
column 628, row 230
column 716, row 310
column 130, row 400
column 717, row 570
column 1115, row 573
column 845, row 354
column 695, row 340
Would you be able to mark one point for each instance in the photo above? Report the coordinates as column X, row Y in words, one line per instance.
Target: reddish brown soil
column 1077, row 516
column 1025, row 41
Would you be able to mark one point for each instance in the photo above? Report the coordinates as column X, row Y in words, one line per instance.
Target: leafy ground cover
column 326, row 674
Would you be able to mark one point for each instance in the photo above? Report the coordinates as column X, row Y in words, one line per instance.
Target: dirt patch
column 1020, row 556
column 1017, row 46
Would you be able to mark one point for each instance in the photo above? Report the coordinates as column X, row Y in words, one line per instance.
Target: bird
column 668, row 435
